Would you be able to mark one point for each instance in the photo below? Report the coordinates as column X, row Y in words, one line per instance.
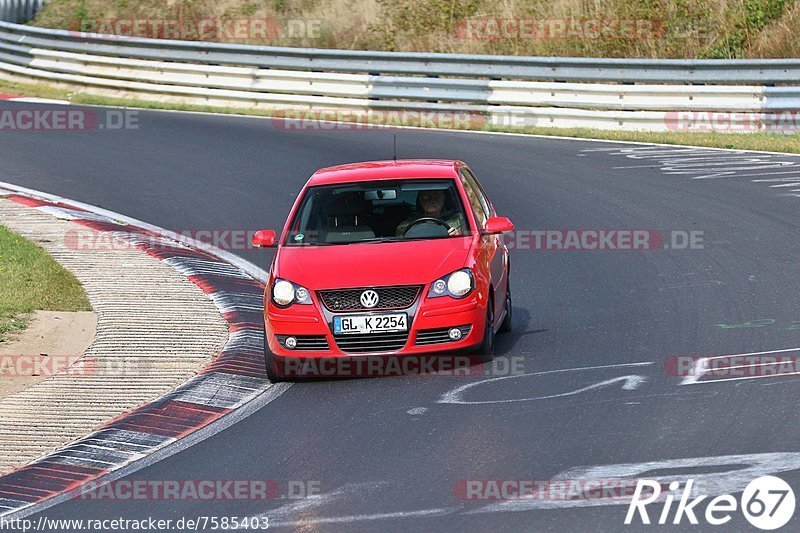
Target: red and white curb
column 32, row 99
column 232, row 380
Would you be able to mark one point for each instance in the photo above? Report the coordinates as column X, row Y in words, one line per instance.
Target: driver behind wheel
column 431, row 204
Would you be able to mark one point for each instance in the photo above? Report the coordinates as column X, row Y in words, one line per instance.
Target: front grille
column 439, row 335
column 388, row 298
column 309, row 343
column 372, row 342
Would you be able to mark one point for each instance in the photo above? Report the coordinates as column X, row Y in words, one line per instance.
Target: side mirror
column 497, row 225
column 264, row 238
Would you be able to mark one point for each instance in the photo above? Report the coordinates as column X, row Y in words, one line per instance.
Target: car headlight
column 457, row 284
column 286, row 293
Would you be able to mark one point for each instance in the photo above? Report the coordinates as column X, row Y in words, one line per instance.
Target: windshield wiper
column 399, row 239
column 375, row 240
column 378, row 239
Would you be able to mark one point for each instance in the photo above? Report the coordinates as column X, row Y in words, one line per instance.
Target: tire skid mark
column 704, row 163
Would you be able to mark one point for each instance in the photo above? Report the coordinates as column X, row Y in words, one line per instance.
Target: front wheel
column 269, row 363
column 505, row 327
column 486, row 350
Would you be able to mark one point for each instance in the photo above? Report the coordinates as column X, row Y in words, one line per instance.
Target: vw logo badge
column 369, row 299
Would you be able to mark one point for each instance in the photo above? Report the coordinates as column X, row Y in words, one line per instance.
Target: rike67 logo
column 767, row 503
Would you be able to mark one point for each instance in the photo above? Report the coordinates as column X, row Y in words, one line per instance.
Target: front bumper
column 311, row 324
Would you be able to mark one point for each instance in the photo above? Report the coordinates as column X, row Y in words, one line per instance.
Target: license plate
column 344, row 325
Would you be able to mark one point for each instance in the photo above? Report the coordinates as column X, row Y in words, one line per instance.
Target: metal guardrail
column 565, row 92
column 756, row 71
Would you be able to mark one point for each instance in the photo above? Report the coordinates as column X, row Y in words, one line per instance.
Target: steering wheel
column 425, row 220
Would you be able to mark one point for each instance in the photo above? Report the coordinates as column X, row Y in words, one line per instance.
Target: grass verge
column 31, row 280
column 761, row 141
column 577, row 28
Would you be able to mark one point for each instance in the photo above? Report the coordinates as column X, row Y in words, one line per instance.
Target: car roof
column 386, row 170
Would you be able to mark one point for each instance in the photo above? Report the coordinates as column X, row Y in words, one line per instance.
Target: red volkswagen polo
column 387, row 258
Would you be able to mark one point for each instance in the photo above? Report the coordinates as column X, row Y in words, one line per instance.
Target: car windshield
column 397, row 210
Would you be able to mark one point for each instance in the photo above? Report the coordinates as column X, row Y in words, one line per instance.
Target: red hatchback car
column 387, row 258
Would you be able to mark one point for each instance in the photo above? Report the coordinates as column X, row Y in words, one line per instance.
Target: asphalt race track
column 592, row 329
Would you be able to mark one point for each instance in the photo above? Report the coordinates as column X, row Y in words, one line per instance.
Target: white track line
column 702, row 368
column 752, row 353
column 707, row 381
column 454, row 396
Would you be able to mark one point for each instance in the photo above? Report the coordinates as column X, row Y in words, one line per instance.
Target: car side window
column 481, row 193
column 475, row 198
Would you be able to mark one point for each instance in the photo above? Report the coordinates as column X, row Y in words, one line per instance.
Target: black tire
column 505, row 327
column 269, row 363
column 485, row 351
